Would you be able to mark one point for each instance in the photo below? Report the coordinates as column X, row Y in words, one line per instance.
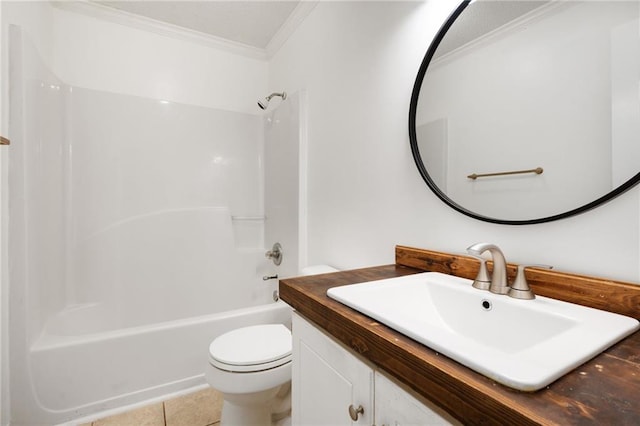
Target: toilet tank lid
column 317, row 269
column 252, row 345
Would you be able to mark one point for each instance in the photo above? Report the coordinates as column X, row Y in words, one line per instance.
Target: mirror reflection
column 525, row 85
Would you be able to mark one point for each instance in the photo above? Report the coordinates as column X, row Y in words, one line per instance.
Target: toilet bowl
column 251, row 367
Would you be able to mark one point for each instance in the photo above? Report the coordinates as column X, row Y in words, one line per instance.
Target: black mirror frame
column 431, row 184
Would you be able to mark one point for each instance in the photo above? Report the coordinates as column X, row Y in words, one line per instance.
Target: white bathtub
column 77, row 375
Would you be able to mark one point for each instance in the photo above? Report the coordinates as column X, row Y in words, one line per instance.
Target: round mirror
column 529, row 111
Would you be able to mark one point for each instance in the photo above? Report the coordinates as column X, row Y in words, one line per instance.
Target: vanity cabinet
column 327, row 380
column 331, row 384
column 395, row 406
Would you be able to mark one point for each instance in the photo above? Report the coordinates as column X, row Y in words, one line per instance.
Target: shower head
column 264, row 103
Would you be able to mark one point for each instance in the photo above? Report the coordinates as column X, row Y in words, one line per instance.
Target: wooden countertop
column 603, row 391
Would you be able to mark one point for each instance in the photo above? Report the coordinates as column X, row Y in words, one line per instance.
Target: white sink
column 524, row 344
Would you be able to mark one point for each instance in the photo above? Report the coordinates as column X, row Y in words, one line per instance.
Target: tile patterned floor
column 201, row 408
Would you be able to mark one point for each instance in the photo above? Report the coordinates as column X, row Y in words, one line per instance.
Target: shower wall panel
column 37, row 179
column 153, row 187
column 284, row 142
column 121, row 207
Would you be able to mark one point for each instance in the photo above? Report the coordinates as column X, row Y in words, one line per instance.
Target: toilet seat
column 252, row 349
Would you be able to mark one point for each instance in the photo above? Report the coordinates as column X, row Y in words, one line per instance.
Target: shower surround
column 137, row 236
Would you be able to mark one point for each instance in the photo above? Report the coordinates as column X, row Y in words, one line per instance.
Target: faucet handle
column 275, row 254
column 520, row 288
column 483, row 279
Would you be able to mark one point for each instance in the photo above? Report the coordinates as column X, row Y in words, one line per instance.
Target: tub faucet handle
column 275, row 254
column 520, row 288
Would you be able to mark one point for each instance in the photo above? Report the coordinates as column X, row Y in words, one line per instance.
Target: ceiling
column 255, row 23
column 252, row 23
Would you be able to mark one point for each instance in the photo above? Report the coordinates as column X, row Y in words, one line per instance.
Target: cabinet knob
column 354, row 412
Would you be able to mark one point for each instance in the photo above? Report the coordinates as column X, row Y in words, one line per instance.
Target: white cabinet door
column 326, row 380
column 396, row 407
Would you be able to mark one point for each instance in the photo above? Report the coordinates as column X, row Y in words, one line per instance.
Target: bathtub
column 77, row 375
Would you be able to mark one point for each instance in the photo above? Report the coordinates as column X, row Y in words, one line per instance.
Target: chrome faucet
column 499, row 284
column 275, row 254
column 520, row 288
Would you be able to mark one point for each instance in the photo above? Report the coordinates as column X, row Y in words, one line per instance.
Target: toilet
column 251, row 366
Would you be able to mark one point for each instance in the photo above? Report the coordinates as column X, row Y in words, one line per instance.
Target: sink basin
column 523, row 344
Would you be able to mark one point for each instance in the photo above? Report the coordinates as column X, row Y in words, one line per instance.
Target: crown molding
column 121, row 17
column 299, row 14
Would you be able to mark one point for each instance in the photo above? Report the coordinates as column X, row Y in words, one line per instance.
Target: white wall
column 358, row 62
column 121, row 59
